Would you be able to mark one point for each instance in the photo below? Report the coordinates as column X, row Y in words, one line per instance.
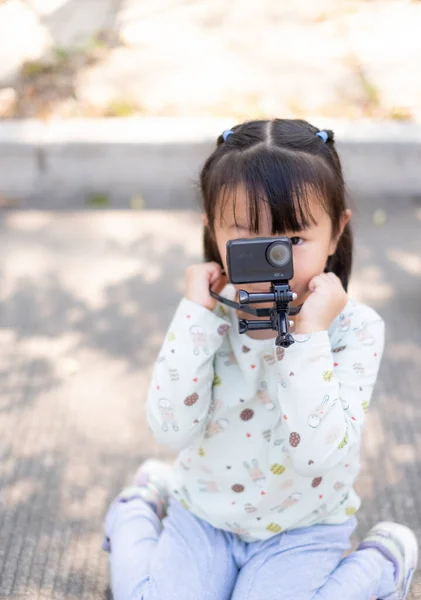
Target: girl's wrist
column 209, row 304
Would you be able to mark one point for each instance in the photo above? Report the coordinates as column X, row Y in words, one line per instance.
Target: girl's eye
column 296, row 241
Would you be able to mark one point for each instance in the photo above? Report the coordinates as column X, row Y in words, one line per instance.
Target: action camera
column 259, row 260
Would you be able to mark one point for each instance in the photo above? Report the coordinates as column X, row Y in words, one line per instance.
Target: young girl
column 260, row 502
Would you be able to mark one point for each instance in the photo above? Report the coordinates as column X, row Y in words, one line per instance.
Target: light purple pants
column 191, row 560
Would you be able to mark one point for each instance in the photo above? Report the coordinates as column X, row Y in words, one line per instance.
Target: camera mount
column 281, row 295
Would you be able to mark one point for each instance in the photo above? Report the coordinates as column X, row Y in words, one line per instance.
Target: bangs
column 283, row 180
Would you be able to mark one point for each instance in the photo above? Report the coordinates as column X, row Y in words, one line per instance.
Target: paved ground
column 85, row 298
column 210, row 57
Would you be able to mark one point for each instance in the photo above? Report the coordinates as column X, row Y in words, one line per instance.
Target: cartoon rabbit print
column 237, row 529
column 215, row 405
column 199, row 339
column 167, row 412
column 256, row 474
column 263, row 396
column 290, row 501
column 345, row 322
column 229, row 358
column 215, row 427
column 208, row 486
column 321, row 511
column 316, row 418
column 364, row 336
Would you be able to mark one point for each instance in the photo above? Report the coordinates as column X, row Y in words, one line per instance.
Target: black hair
column 280, row 162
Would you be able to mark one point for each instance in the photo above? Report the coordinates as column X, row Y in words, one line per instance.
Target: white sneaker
column 152, row 477
column 398, row 544
column 151, row 484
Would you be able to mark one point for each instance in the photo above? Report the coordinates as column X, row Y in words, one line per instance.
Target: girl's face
column 311, row 247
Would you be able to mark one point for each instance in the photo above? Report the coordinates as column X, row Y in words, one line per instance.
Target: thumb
column 214, row 272
column 314, row 283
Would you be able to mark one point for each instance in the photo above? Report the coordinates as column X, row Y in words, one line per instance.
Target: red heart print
column 188, row 316
column 157, row 387
column 232, row 502
column 286, row 418
column 353, row 418
column 195, row 379
column 335, row 364
column 262, row 493
column 321, row 496
column 253, row 366
column 248, row 435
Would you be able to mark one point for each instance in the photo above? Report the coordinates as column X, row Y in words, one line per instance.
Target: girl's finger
column 316, row 282
column 333, row 277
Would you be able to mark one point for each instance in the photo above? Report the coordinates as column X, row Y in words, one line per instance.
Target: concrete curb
column 63, row 164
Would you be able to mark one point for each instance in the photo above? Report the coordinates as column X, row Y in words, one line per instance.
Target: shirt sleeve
column 180, row 392
column 324, row 392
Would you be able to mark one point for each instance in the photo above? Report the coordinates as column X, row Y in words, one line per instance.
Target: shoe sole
column 408, row 544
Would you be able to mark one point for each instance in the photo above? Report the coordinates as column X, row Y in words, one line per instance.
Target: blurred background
column 210, row 58
column 107, row 110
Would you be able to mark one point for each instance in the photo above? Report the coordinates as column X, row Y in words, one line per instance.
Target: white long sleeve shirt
column 268, row 439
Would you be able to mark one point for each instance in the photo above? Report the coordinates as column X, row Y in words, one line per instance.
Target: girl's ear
column 345, row 218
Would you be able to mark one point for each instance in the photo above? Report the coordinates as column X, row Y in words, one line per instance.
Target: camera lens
column 278, row 254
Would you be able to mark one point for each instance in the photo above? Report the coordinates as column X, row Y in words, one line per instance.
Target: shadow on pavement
column 85, row 300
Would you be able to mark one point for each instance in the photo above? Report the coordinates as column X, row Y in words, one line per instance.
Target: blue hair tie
column 226, row 133
column 323, row 136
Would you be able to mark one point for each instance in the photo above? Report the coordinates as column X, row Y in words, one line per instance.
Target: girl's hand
column 326, row 300
column 198, row 280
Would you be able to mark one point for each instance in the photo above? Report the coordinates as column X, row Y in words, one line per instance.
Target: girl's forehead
column 236, row 206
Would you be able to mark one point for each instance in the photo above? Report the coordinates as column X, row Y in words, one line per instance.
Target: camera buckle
column 281, row 295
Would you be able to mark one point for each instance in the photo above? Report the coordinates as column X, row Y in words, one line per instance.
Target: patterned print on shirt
column 199, row 339
column 256, row 474
column 288, row 502
column 320, row 413
column 215, row 427
column 263, row 396
column 364, row 335
column 167, row 412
